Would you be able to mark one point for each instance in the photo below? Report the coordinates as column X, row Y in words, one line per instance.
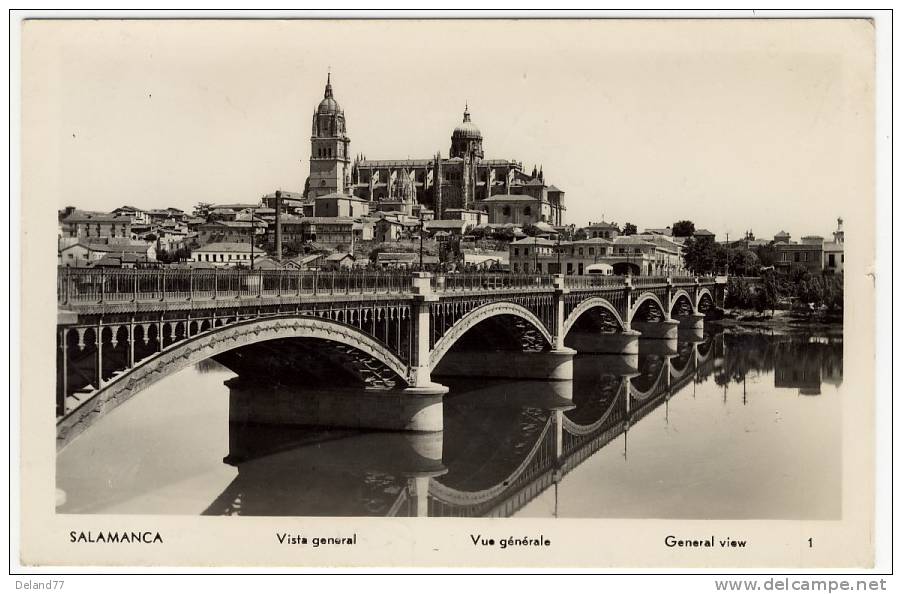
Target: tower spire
column 466, row 112
column 328, row 92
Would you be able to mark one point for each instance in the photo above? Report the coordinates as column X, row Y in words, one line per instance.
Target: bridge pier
column 602, row 343
column 555, row 365
column 665, row 329
column 411, row 409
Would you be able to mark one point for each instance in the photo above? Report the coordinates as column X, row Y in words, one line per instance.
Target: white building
column 225, row 254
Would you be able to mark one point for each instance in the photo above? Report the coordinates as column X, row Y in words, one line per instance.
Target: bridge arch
column 585, row 306
column 684, row 296
column 581, row 430
column 480, row 314
column 645, row 298
column 457, row 497
column 704, row 294
column 209, row 344
column 638, row 394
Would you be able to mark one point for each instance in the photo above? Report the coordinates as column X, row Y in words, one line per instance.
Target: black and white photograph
column 327, row 280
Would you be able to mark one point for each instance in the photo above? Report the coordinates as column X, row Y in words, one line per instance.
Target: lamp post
column 422, row 231
column 253, row 230
column 535, row 253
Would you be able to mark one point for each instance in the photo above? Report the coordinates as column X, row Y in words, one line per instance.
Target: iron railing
column 95, row 286
column 449, row 283
column 588, row 281
column 91, row 285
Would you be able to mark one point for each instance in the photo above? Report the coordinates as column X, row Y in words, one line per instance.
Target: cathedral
column 464, row 180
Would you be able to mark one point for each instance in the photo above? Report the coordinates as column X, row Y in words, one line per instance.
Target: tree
column 202, row 209
column 682, row 229
column 531, row 230
column 579, row 235
column 699, row 255
column 743, row 262
column 629, row 229
column 767, row 255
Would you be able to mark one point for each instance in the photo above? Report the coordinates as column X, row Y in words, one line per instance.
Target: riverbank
column 780, row 320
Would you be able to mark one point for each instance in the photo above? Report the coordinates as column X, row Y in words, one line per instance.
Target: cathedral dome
column 466, row 129
column 328, row 105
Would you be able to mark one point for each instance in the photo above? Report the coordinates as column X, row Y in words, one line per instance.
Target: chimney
column 278, row 225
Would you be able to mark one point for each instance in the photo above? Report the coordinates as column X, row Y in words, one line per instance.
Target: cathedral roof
column 466, row 129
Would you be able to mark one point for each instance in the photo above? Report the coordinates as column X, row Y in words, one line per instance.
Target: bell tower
column 330, row 163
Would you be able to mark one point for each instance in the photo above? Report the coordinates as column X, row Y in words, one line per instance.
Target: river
column 744, row 424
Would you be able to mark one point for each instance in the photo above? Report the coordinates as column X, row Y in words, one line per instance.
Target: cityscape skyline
column 187, row 122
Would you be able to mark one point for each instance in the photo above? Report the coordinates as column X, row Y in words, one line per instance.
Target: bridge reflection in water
column 503, row 443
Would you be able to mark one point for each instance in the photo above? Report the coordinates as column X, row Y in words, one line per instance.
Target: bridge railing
column 449, row 283
column 588, row 281
column 89, row 285
column 684, row 280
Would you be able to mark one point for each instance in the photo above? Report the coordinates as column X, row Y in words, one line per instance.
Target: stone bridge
column 119, row 331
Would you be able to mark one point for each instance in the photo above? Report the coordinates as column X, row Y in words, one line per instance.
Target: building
column 340, row 205
column 387, row 230
column 703, row 234
column 75, row 255
column 225, row 254
column 474, row 217
column 230, row 231
column 794, row 256
column 328, row 230
column 603, row 230
column 782, row 237
column 83, row 224
column 339, row 261
column 633, row 255
column 137, row 216
column 463, row 180
column 533, row 254
column 516, row 209
column 834, row 257
column 453, row 227
column 330, row 164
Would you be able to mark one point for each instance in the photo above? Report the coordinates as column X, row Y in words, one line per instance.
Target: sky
column 734, row 125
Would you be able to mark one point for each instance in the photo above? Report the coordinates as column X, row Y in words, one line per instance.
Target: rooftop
column 510, row 198
column 225, row 247
column 527, row 241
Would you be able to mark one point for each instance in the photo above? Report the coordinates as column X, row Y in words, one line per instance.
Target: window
column 516, row 251
column 831, row 261
column 525, row 251
column 580, row 269
column 591, row 251
column 580, row 251
column 538, row 267
column 796, row 257
column 527, row 211
column 506, row 211
column 569, row 267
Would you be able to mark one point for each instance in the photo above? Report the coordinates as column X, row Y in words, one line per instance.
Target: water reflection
column 599, row 446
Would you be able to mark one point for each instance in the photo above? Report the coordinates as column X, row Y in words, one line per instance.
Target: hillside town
column 458, row 213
